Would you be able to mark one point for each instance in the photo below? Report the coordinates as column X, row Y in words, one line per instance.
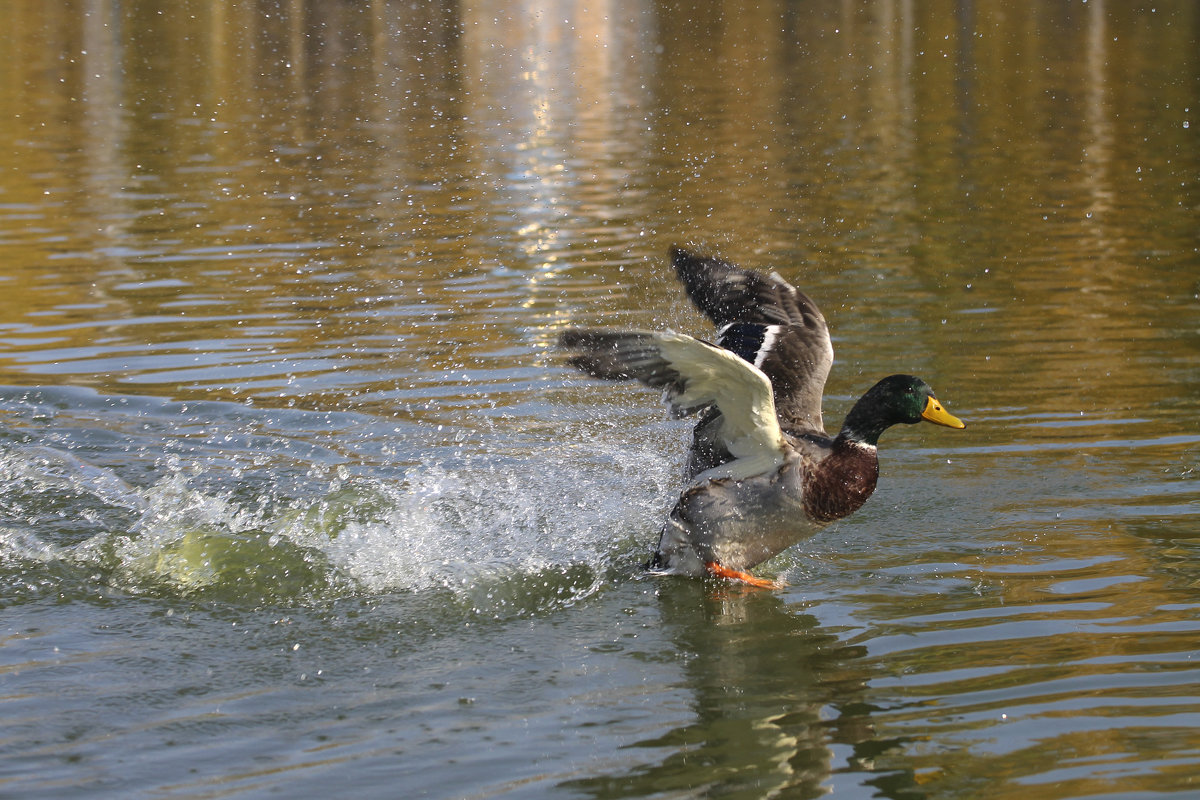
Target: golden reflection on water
column 1003, row 180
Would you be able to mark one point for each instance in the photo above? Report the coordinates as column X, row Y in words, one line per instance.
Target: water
column 297, row 497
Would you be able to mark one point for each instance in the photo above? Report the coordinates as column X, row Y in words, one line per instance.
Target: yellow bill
column 939, row 416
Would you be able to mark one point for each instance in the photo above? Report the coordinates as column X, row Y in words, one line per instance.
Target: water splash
column 498, row 536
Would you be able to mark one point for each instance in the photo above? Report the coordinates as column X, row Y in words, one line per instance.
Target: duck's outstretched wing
column 792, row 360
column 768, row 322
column 727, row 293
column 693, row 375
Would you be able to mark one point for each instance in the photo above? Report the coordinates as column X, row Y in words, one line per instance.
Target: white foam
column 484, row 526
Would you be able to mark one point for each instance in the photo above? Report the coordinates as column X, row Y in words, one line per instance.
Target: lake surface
column 297, row 498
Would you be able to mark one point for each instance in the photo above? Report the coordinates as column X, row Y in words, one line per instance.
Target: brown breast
column 841, row 482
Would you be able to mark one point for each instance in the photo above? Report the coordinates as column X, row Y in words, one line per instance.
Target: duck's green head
column 895, row 399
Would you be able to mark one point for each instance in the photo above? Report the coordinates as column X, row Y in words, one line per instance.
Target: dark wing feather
column 727, row 293
column 794, row 360
column 625, row 355
column 771, row 324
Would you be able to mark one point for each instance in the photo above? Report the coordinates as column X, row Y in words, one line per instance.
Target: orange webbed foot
column 718, row 571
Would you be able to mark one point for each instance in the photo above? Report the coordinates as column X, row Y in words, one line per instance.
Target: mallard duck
column 762, row 472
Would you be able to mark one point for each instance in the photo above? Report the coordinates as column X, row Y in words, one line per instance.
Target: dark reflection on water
column 294, row 494
column 770, row 700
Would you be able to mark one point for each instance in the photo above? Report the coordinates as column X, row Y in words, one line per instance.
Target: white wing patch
column 742, row 393
column 769, row 337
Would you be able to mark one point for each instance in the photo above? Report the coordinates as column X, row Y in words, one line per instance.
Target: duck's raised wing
column 693, row 375
column 728, row 293
column 793, row 360
column 768, row 322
